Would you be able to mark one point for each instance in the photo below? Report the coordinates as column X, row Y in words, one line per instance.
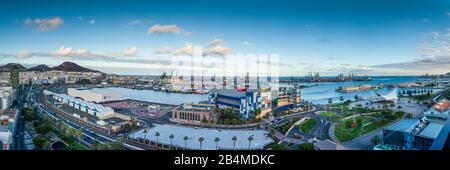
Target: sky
column 371, row 37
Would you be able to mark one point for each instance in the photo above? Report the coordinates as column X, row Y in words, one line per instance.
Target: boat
column 201, row 91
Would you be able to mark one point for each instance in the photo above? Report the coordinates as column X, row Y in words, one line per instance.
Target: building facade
column 411, row 134
column 193, row 113
column 439, row 110
column 7, row 97
column 94, row 109
column 243, row 102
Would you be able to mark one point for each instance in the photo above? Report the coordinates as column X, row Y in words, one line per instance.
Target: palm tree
column 69, row 132
column 250, row 138
column 145, row 133
column 376, row 140
column 59, row 124
column 157, row 137
column 133, row 130
column 79, row 134
column 234, row 139
column 217, row 139
column 201, row 139
column 185, row 141
column 171, row 139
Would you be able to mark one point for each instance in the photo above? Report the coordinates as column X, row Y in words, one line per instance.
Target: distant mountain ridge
column 72, row 67
column 40, row 67
column 66, row 66
column 8, row 67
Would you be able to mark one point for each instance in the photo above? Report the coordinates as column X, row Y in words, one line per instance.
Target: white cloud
column 63, row 51
column 80, row 18
column 82, row 51
column 217, row 42
column 162, row 50
column 217, row 47
column 23, row 54
column 132, row 51
column 92, row 22
column 246, row 43
column 45, row 24
column 434, row 56
column 448, row 14
column 70, row 52
column 164, row 29
column 187, row 49
column 218, row 50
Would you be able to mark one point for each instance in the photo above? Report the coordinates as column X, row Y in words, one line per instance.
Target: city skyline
column 141, row 37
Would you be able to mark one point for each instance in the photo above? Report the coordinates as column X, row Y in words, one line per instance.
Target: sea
column 317, row 93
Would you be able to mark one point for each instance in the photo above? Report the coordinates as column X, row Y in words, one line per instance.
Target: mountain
column 41, row 67
column 72, row 67
column 8, row 67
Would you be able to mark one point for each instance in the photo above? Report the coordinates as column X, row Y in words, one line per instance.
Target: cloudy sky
column 379, row 37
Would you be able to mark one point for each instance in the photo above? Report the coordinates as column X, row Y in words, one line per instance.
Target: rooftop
column 98, row 107
column 405, row 125
column 196, row 107
column 441, row 105
column 115, row 120
column 232, row 92
column 431, row 131
column 260, row 138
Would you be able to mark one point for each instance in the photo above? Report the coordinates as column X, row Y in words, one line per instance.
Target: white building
column 439, row 110
column 8, row 121
column 7, row 96
column 91, row 108
column 91, row 96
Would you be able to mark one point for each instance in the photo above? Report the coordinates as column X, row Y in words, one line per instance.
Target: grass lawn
column 344, row 132
column 328, row 113
column 308, row 125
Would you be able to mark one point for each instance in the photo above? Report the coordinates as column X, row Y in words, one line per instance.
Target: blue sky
column 403, row 37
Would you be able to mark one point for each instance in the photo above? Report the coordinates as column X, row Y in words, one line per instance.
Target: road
column 18, row 136
column 89, row 135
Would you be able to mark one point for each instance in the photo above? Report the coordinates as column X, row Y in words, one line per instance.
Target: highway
column 89, row 135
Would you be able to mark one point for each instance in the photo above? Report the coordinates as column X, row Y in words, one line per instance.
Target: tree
column 250, row 138
column 79, row 134
column 171, row 139
column 185, row 141
column 58, row 124
column 69, row 132
column 341, row 98
column 14, row 76
column 278, row 147
column 39, row 141
column 356, row 97
column 157, row 137
column 330, row 101
column 234, row 139
column 375, row 140
column 217, row 139
column 306, row 146
column 145, row 133
column 116, row 145
column 409, row 116
column 200, row 140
